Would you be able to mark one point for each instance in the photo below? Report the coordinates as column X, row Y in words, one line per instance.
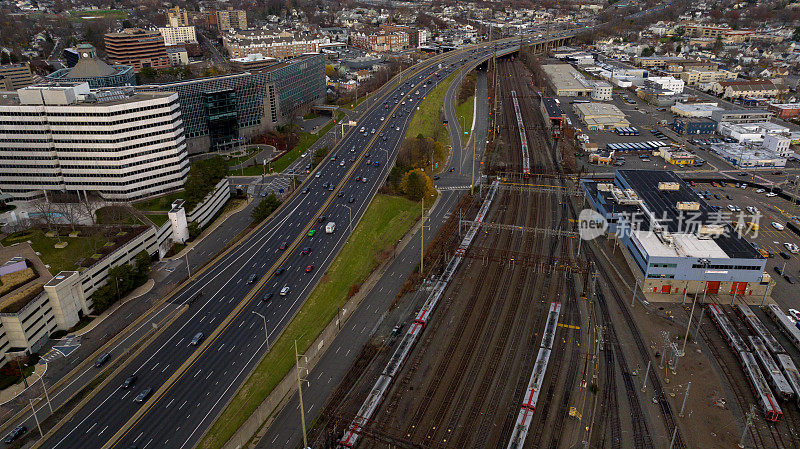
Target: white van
column 285, row 290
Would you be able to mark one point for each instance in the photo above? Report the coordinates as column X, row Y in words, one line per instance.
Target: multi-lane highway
column 191, row 383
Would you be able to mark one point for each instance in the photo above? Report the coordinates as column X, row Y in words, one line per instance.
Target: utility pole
column 46, row 396
column 646, row 373
column 747, row 424
column 685, row 396
column 300, row 395
column 688, row 326
column 36, row 418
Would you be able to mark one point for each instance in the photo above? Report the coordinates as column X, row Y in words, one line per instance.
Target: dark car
column 267, row 297
column 305, row 251
column 306, row 190
column 321, row 219
column 102, row 360
column 788, row 278
column 340, row 194
column 129, row 382
column 143, row 395
column 283, row 246
column 14, row 434
column 784, row 255
column 778, row 270
column 252, row 279
column 351, row 199
column 279, row 271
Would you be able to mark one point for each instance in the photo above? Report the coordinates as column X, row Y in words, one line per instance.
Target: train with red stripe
column 526, row 159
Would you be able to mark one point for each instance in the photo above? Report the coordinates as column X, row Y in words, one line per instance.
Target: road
column 176, row 370
column 284, row 431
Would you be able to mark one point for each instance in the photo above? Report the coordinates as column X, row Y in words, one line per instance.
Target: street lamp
column 44, row 387
column 266, row 331
column 186, row 259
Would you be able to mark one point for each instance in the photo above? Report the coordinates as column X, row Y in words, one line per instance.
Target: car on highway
column 330, row 188
column 283, row 246
column 309, row 268
column 341, row 163
column 340, row 194
column 197, row 339
column 143, row 395
column 279, row 271
column 351, row 199
column 128, row 382
column 285, row 290
column 778, row 226
column 306, row 190
column 252, row 279
column 267, row 297
column 102, row 360
column 364, row 179
column 312, row 232
column 14, row 434
column 318, row 174
column 321, row 218
column 305, row 251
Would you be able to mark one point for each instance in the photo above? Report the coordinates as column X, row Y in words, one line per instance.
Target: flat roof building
column 15, row 76
column 673, row 239
column 92, row 70
column 252, row 62
column 117, row 143
column 137, row 48
column 178, row 35
column 566, row 81
column 741, row 115
column 600, row 116
column 217, row 111
column 697, row 110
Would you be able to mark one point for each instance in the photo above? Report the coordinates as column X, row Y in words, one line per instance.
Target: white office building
column 668, row 83
column 120, row 144
column 778, row 144
column 178, row 35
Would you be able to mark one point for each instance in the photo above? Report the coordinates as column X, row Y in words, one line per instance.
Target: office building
column 381, row 40
column 692, row 125
column 229, row 19
column 137, row 48
column 178, row 35
column 697, row 110
column 217, row 111
column 117, row 143
column 741, row 116
column 15, row 76
column 674, row 242
column 178, row 56
column 251, row 63
column 90, row 69
column 177, row 17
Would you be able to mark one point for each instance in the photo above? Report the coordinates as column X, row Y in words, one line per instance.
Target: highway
column 191, row 384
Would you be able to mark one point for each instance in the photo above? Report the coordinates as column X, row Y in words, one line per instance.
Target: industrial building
column 748, row 155
column 219, row 111
column 673, row 240
column 552, row 112
column 600, row 116
column 117, row 143
column 90, row 69
column 785, row 110
column 692, row 125
column 750, row 132
column 566, row 81
column 694, row 109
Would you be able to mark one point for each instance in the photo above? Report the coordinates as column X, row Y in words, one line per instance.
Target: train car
column 523, row 138
column 775, row 378
column 784, row 323
column 764, row 397
column 758, row 328
column 791, row 374
column 529, row 401
column 550, row 327
column 726, row 328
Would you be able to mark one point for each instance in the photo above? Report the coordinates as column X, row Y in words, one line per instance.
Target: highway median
column 385, row 222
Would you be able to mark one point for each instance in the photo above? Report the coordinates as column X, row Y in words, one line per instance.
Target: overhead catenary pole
column 685, row 397
column 747, row 424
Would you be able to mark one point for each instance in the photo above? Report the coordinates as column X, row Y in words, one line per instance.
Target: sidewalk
column 209, row 230
column 10, row 393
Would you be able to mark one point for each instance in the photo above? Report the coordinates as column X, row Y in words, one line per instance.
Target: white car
column 731, row 207
column 791, row 247
column 760, row 190
column 752, row 209
column 777, row 226
column 771, row 194
column 795, row 314
column 383, row 118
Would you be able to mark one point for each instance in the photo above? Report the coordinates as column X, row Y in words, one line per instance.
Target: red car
column 309, row 268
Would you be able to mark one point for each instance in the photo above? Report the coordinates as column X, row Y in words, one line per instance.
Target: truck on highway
column 330, row 227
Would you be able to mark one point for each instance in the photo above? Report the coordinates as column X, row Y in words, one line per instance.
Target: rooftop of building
column 552, row 107
column 595, row 109
column 565, row 77
column 76, row 94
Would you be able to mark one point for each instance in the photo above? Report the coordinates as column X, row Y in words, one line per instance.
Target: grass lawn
column 110, row 13
column 59, row 259
column 386, row 220
column 306, row 140
column 158, row 219
column 159, row 204
column 111, row 215
column 426, row 120
column 464, row 113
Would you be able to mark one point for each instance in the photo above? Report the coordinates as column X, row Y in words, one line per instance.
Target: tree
column 796, row 35
column 194, row 230
column 647, row 51
column 329, row 70
column 265, row 208
column 202, row 178
column 416, row 184
column 143, row 262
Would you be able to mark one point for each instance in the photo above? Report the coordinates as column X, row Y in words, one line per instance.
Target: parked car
column 791, row 247
column 795, row 314
column 778, row 226
column 784, row 255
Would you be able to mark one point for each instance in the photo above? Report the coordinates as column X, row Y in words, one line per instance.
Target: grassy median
column 306, row 140
column 386, row 220
column 426, row 120
column 464, row 113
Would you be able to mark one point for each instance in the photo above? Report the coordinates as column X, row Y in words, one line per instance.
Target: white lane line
column 154, row 366
column 101, row 432
column 184, row 403
column 90, row 428
column 170, row 403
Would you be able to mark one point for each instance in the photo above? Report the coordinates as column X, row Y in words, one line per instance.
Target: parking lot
column 766, row 237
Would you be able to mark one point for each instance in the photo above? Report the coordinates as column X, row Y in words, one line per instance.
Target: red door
column 712, row 287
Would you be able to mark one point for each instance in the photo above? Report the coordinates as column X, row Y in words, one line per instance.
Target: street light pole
column 350, row 214
column 266, row 332
column 36, row 418
column 46, row 396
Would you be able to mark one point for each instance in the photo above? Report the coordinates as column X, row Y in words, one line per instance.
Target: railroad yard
column 531, row 338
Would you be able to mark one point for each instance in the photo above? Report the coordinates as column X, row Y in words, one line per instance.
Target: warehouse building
column 649, row 211
column 566, row 81
column 220, row 111
column 600, row 116
column 694, row 109
column 117, row 143
column 785, row 110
